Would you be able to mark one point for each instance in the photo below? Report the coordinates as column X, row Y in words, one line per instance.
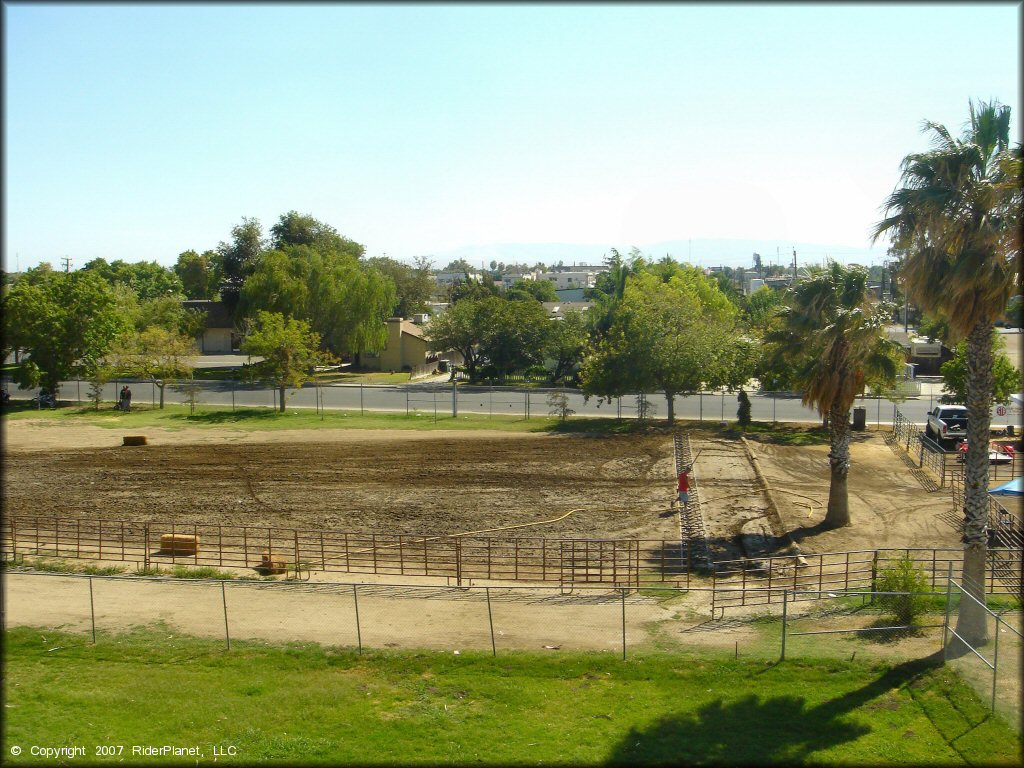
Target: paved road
column 437, row 396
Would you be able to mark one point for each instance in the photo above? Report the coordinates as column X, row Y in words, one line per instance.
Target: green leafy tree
column 834, row 338
column 470, row 288
column 955, row 219
column 289, row 348
column 1005, row 378
column 146, row 279
column 460, row 265
column 568, row 342
column 675, row 337
column 540, row 290
column 65, row 321
column 762, row 305
column 158, row 355
column 199, row 273
column 238, row 259
column 610, row 287
column 413, row 284
column 98, row 373
column 294, row 228
column 935, row 326
column 558, row 404
column 460, row 328
column 514, row 334
column 345, row 301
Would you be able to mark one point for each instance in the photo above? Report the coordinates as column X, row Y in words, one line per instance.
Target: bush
column 743, row 412
column 903, row 576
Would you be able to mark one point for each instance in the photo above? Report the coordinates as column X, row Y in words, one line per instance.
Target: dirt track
column 359, row 481
column 448, row 482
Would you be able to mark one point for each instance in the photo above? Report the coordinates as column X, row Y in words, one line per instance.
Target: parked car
column 947, row 423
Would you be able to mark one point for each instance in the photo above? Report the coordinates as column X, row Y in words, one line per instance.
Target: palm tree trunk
column 971, row 621
column 838, row 513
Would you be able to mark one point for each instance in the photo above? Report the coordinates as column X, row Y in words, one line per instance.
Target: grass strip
column 314, row 705
column 175, row 416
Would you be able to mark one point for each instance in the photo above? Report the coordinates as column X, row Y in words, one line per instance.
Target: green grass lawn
column 331, row 377
column 177, row 416
column 307, row 704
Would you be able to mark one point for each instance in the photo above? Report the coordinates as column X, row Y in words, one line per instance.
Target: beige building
column 406, row 349
column 219, row 335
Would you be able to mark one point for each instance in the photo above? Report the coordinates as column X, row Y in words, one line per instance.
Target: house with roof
column 219, row 335
column 406, row 349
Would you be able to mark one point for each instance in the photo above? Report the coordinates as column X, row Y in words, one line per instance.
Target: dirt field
column 449, row 482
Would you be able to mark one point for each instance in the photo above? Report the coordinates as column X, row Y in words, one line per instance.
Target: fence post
column 92, row 612
column 490, row 621
column 945, row 617
column 355, row 602
column 785, row 603
column 224, row 600
column 458, row 562
column 623, row 624
column 995, row 664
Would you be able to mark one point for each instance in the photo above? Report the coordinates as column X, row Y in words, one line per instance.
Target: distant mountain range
column 701, row 252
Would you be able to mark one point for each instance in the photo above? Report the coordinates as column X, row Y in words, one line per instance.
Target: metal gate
column 599, row 561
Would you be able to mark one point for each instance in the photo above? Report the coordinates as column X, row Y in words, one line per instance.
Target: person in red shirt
column 684, row 487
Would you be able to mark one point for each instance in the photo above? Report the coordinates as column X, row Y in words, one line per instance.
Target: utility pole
column 67, row 264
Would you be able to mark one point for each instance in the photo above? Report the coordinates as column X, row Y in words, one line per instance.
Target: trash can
column 860, row 418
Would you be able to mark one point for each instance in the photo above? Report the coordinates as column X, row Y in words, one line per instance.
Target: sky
column 137, row 132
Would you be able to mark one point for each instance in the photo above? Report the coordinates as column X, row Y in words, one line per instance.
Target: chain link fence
column 841, row 625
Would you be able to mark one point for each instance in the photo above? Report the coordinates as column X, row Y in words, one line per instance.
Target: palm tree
column 955, row 220
column 834, row 338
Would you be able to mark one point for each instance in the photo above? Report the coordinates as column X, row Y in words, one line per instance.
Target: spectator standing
column 683, row 487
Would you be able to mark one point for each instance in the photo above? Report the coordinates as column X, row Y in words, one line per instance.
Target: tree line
column 303, row 280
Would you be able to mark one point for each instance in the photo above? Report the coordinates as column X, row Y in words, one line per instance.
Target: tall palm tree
column 834, row 337
column 955, row 221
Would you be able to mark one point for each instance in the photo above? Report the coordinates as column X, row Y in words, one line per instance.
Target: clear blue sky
column 137, row 132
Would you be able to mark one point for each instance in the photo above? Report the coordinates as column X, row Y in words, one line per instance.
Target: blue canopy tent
column 1013, row 488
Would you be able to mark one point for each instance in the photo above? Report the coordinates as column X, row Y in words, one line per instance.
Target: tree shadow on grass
column 241, row 416
column 755, row 731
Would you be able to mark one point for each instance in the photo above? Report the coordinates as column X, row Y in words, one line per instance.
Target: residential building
column 565, row 280
column 219, row 336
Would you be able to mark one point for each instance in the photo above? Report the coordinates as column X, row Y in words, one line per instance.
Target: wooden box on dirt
column 179, row 544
